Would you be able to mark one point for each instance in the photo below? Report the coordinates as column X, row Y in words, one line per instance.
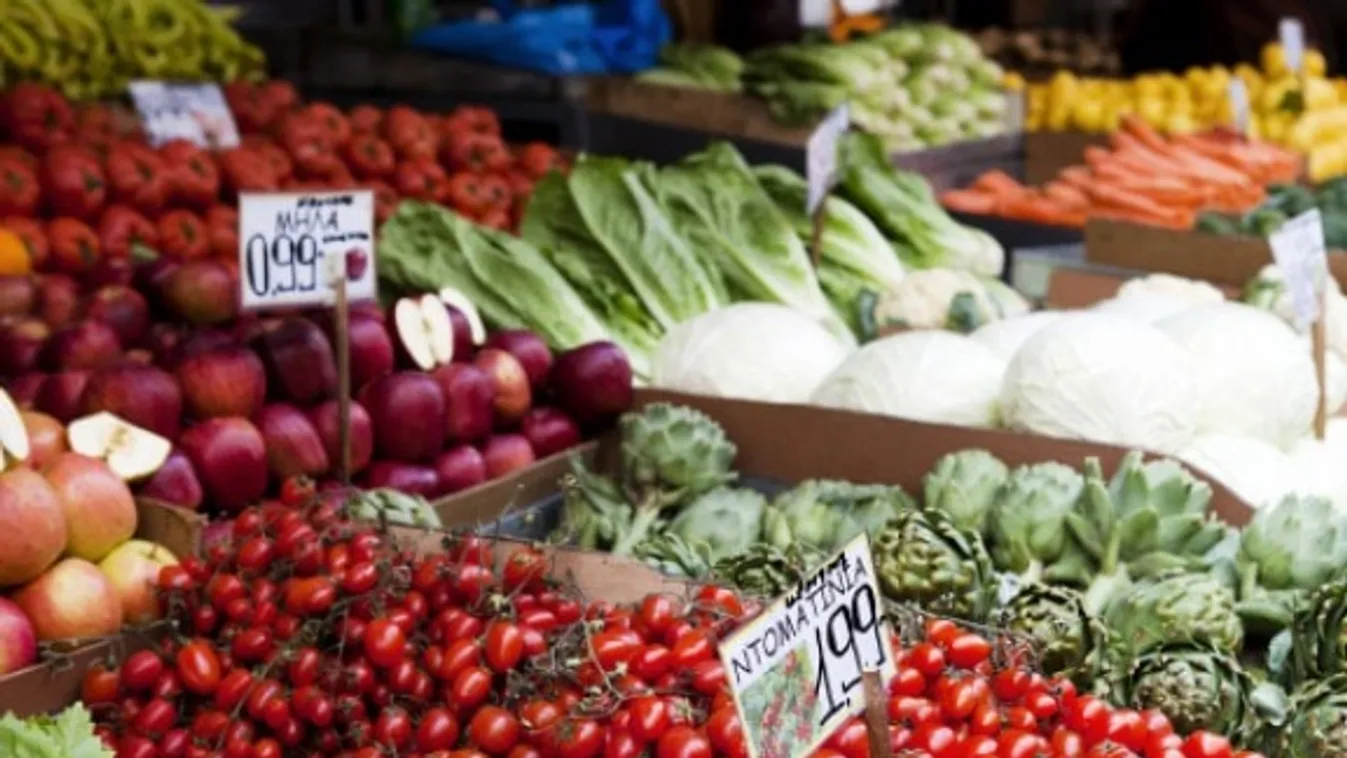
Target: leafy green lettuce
column 69, row 734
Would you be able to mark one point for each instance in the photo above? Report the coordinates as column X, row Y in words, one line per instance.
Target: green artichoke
column 675, row 556
column 1196, row 686
column 1316, row 725
column 670, row 455
column 765, row 571
column 1069, row 639
column 593, row 510
column 826, row 514
column 1027, row 525
column 1297, row 544
column 1319, row 635
column 1175, row 608
column 964, row 485
column 924, row 559
column 725, row 521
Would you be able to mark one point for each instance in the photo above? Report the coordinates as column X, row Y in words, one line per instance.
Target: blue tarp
column 612, row 36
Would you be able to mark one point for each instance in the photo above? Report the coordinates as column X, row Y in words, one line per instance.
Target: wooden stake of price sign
column 821, row 169
column 1300, row 252
column 798, row 670
column 305, row 250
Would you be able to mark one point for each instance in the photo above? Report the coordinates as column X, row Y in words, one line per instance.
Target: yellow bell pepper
column 1326, row 161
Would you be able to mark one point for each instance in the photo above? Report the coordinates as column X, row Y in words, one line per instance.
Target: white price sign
column 821, row 155
column 1239, row 104
column 1300, row 252
column 197, row 113
column 795, row 670
column 819, row 13
column 292, row 243
column 1291, row 33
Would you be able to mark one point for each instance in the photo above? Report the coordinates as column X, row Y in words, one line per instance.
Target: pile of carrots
column 1142, row 177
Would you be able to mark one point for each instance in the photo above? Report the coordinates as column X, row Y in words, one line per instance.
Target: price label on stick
column 1300, row 252
column 1239, row 104
column 197, row 113
column 821, row 156
column 796, row 669
column 1291, row 33
column 289, row 243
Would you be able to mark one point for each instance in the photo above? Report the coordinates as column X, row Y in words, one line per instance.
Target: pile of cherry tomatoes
column 305, row 634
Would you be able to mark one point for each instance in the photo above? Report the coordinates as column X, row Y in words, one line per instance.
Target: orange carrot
column 1143, row 132
column 1066, row 195
column 969, row 201
column 997, row 182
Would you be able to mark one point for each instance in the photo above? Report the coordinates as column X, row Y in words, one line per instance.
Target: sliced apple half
column 424, row 330
column 13, row 432
column 131, row 452
column 460, row 302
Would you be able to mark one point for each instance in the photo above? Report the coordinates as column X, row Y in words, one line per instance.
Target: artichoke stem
column 645, row 518
column 1033, row 572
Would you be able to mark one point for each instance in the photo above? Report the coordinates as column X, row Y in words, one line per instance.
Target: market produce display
column 1144, row 177
column 1305, row 114
column 1125, row 584
column 627, row 251
column 1286, row 201
column 91, row 50
column 69, row 566
column 914, row 86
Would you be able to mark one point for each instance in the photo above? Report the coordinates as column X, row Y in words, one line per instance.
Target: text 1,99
column 282, row 265
column 848, row 644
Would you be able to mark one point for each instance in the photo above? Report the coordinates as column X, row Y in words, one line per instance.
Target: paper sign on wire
column 1291, row 34
column 821, row 155
column 795, row 670
column 1238, row 94
column 1300, row 252
column 288, row 240
column 197, row 113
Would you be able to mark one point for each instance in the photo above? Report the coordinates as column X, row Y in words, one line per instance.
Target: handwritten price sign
column 821, row 155
column 1300, row 252
column 795, row 670
column 197, row 113
column 289, row 243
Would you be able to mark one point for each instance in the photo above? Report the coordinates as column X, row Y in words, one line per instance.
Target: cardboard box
column 55, row 683
column 1230, row 261
column 790, row 443
column 1047, row 153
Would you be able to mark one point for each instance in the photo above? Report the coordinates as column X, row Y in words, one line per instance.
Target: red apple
column 593, row 382
column 371, row 350
column 407, row 411
column 61, row 394
column 146, row 396
column 294, row 447
column 123, row 309
column 58, row 300
column 18, row 297
column 326, row 419
column 404, row 477
column 549, row 431
column 468, row 400
column 133, row 568
column 46, row 439
column 230, row 457
column 527, row 348
column 32, row 526
column 175, row 351
column 424, row 332
column 464, row 345
column 152, row 277
column 100, row 512
column 226, row 381
column 175, row 483
column 460, row 468
column 23, row 388
column 112, row 271
column 87, row 345
column 202, row 291
column 21, row 343
column 512, row 395
column 367, row 309
column 18, row 638
column 505, row 453
column 299, row 361
column 73, row 600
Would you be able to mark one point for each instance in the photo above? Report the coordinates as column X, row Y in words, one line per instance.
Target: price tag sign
column 1300, row 252
column 291, row 243
column 1291, row 33
column 821, row 155
column 197, row 113
column 1239, row 104
column 795, row 670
